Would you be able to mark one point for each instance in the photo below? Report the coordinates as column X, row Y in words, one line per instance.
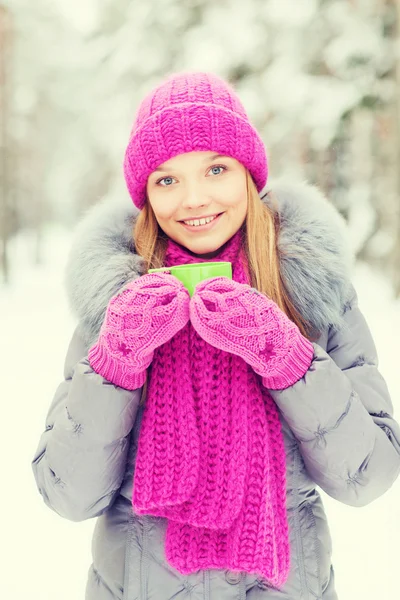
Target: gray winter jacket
column 337, row 420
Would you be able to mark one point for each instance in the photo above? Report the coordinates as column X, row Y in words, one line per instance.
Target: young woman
column 197, row 428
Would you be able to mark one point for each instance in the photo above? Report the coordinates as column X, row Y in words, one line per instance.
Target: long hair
column 261, row 230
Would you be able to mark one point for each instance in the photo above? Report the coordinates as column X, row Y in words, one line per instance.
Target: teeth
column 197, row 222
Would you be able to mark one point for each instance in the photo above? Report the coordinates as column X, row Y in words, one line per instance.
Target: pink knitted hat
column 191, row 111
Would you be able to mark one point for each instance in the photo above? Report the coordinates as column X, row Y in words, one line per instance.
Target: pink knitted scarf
column 211, row 456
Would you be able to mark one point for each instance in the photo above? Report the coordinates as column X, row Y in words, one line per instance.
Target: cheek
column 163, row 214
column 236, row 201
column 163, row 208
column 234, row 196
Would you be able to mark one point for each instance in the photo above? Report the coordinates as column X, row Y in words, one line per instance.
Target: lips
column 199, row 218
column 194, row 228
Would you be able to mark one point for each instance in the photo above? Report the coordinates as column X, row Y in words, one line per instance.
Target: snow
column 83, row 16
column 48, row 556
column 288, row 14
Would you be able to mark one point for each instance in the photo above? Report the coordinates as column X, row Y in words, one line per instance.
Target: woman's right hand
column 143, row 315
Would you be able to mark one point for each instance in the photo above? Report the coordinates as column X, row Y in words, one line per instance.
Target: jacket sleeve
column 341, row 414
column 80, row 461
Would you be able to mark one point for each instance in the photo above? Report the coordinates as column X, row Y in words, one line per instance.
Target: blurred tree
column 382, row 245
column 6, row 188
column 390, row 151
column 396, row 251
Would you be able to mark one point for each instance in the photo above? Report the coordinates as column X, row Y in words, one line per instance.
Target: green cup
column 191, row 275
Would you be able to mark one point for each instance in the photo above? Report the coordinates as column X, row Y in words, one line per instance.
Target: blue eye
column 165, row 179
column 218, row 167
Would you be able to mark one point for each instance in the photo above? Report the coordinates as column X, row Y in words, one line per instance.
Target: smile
column 203, row 221
column 201, row 224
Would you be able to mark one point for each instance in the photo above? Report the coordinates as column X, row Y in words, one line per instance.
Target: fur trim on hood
column 315, row 256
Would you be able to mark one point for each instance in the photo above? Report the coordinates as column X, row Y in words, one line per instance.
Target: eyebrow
column 207, row 159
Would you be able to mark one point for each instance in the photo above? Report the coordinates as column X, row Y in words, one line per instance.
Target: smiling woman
column 256, row 393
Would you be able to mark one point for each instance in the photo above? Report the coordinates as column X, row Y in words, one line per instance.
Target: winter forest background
column 320, row 79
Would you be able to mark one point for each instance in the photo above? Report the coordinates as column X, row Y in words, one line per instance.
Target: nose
column 194, row 197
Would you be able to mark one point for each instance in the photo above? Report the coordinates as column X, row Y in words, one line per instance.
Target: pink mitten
column 143, row 315
column 241, row 320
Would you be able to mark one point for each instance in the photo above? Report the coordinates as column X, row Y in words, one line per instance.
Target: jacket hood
column 316, row 259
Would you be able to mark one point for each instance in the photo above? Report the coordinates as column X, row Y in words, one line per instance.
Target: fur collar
column 316, row 259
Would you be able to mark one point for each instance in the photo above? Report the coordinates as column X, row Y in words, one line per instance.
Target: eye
column 166, row 179
column 218, row 167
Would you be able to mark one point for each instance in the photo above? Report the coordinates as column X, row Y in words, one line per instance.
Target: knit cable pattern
column 241, row 320
column 143, row 315
column 211, row 456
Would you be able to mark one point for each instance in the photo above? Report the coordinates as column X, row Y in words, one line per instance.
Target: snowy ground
column 47, row 557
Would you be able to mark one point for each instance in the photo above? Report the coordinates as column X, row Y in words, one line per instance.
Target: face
column 198, row 185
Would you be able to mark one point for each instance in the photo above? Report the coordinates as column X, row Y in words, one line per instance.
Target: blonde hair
column 261, row 229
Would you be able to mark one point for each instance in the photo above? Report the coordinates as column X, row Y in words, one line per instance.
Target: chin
column 201, row 249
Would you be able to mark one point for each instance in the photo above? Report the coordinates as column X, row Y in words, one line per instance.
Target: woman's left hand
column 239, row 319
